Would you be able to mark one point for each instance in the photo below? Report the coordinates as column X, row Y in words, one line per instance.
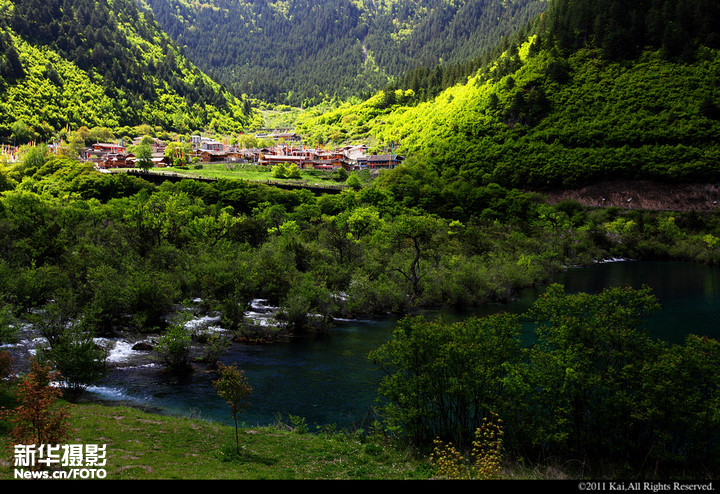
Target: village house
column 109, row 155
column 211, row 145
column 107, row 147
column 333, row 159
column 105, row 155
column 304, row 157
column 160, row 160
column 352, row 153
column 379, row 161
column 116, row 160
column 212, row 155
column 273, row 159
column 157, row 146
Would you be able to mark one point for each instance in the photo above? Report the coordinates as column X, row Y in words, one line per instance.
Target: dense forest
column 87, row 63
column 304, row 52
column 547, row 113
column 623, row 30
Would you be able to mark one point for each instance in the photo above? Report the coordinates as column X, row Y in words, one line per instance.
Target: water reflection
column 689, row 293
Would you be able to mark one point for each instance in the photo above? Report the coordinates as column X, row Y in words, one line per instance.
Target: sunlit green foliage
column 538, row 116
column 122, row 246
column 120, row 253
column 285, row 170
column 101, row 64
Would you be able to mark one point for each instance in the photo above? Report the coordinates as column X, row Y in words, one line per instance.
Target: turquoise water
column 330, row 381
column 321, row 380
column 689, row 293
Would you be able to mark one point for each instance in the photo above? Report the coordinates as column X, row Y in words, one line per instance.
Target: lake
column 329, row 380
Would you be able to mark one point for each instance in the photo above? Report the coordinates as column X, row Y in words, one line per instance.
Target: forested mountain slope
column 301, row 52
column 589, row 96
column 101, row 63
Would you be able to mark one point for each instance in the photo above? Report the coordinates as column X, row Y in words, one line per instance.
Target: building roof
column 384, row 157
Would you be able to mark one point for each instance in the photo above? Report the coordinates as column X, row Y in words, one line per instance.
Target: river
column 329, row 380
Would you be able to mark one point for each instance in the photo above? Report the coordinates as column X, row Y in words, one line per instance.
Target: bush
column 442, row 379
column 285, row 170
column 78, row 358
column 39, row 419
column 595, row 385
column 174, row 348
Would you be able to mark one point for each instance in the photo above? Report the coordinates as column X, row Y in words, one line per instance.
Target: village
column 287, row 150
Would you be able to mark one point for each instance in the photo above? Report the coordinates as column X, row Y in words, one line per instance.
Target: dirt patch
column 643, row 195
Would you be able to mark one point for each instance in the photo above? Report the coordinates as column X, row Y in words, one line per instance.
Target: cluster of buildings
column 111, row 155
column 206, row 150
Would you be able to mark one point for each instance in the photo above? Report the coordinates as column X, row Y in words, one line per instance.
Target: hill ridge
column 304, row 52
column 102, row 63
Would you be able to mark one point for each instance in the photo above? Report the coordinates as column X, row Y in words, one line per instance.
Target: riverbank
column 643, row 194
column 144, row 446
column 276, row 452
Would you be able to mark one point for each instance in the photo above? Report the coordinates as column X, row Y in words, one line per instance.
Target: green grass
column 140, row 445
column 250, row 172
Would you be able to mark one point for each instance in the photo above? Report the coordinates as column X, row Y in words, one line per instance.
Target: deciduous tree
column 39, row 418
column 143, row 153
column 233, row 386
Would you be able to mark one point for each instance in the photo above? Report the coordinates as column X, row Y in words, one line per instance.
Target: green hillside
column 590, row 90
column 562, row 113
column 100, row 63
column 301, row 52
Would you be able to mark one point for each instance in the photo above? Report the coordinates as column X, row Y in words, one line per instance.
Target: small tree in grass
column 39, row 419
column 234, row 387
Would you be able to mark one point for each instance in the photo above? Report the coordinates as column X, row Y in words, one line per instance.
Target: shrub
column 78, row 358
column 39, row 419
column 174, row 348
column 442, row 379
column 285, row 170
